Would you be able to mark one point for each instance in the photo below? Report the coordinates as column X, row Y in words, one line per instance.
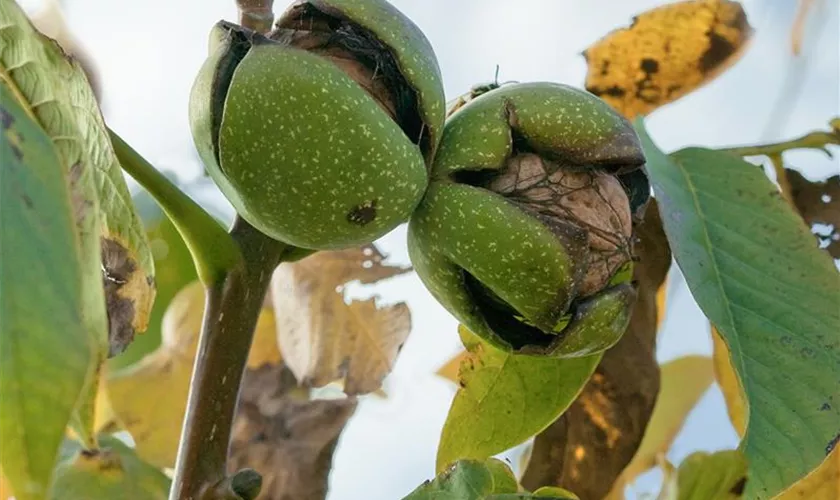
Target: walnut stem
column 230, row 316
column 256, row 14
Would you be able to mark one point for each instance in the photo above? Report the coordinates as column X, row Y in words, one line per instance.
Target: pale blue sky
column 148, row 52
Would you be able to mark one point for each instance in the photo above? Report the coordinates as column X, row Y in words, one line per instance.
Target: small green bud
column 320, row 134
column 525, row 232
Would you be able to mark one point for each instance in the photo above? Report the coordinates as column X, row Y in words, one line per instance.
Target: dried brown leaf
column 588, row 447
column 323, row 338
column 666, row 53
column 288, row 439
column 818, row 203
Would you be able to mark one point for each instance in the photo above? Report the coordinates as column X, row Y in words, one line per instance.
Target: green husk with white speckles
column 524, row 233
column 301, row 150
column 410, row 48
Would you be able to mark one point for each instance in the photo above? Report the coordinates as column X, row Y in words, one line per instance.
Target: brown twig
column 257, row 15
column 230, row 316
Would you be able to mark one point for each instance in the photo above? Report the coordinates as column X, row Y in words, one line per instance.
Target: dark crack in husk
column 358, row 53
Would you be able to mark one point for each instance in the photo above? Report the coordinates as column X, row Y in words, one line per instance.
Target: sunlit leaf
column 57, row 95
column 322, row 337
column 150, row 397
column 822, row 484
column 46, row 352
column 754, row 269
column 112, row 471
column 5, row 491
column 666, row 53
column 703, row 476
column 505, row 398
column 683, row 382
column 590, row 445
column 729, row 384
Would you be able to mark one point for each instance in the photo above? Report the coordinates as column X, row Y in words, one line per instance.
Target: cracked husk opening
column 358, row 53
column 588, row 199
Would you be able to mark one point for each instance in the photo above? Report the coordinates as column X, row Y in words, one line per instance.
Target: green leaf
column 174, row 269
column 701, row 476
column 57, row 95
column 754, row 269
column 46, row 353
column 546, row 493
column 505, row 399
column 554, row 492
column 468, row 480
column 112, row 471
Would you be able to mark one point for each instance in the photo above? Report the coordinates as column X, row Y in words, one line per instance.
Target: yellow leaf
column 666, row 53
column 821, row 484
column 149, row 398
column 450, row 370
column 729, row 384
column 684, row 381
column 322, row 337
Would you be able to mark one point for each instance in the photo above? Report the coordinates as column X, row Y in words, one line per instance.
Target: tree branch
column 815, row 140
column 256, row 14
column 230, row 316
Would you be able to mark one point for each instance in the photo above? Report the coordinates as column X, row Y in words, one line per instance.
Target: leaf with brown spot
column 818, row 203
column 111, row 471
column 37, row 70
column 174, row 269
column 322, row 337
column 821, row 484
column 730, row 385
column 284, row 436
column 702, row 476
column 684, row 381
column 666, row 53
column 149, row 398
column 588, row 447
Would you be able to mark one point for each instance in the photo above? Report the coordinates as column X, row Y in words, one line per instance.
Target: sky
column 148, row 52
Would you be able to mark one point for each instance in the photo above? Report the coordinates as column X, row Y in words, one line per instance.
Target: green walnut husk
column 321, row 133
column 525, row 232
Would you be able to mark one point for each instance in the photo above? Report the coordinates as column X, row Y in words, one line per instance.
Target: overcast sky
column 147, row 53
